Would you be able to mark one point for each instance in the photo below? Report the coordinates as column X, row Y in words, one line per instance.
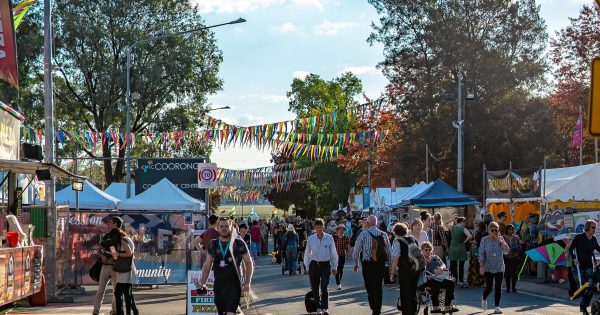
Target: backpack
column 416, row 261
column 379, row 249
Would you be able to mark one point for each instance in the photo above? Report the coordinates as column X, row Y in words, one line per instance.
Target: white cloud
column 275, row 98
column 249, row 120
column 285, row 28
column 234, row 6
column 300, row 74
column 328, row 28
column 358, row 70
column 312, row 3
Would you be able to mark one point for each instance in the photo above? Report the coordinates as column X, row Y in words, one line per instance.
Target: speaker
column 43, row 174
column 32, row 151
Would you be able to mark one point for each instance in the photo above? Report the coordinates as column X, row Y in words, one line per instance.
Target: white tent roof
column 162, row 196
column 119, row 190
column 390, row 197
column 572, row 183
column 90, row 198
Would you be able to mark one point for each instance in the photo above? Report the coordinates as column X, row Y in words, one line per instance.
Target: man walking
column 256, row 237
column 374, row 246
column 321, row 258
column 582, row 251
column 225, row 256
column 107, row 272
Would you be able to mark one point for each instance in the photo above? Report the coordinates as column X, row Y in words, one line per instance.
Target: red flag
column 578, row 133
column 8, row 45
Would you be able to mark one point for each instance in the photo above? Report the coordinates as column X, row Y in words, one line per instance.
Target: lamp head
column 240, row 20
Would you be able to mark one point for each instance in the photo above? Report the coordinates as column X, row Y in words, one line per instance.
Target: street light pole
column 128, row 50
column 459, row 166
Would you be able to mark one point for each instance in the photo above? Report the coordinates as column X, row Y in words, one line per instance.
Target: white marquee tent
column 162, row 196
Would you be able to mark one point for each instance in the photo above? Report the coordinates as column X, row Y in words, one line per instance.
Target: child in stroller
column 290, row 251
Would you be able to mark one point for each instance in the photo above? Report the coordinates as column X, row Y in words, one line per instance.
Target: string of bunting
column 252, row 178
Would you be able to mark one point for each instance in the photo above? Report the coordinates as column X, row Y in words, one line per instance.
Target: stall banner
column 20, row 273
column 521, row 183
column 580, row 218
column 554, row 224
column 366, row 197
column 9, row 136
column 181, row 172
column 200, row 304
column 161, row 244
column 8, row 46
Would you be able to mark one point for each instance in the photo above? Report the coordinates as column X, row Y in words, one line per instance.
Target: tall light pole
column 128, row 50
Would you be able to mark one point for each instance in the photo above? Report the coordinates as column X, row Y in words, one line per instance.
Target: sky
column 286, row 39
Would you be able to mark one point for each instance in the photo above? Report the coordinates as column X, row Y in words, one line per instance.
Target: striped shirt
column 341, row 244
column 364, row 244
column 438, row 235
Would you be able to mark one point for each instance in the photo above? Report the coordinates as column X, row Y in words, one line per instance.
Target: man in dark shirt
column 582, row 251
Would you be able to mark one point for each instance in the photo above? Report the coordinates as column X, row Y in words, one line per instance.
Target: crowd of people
column 419, row 250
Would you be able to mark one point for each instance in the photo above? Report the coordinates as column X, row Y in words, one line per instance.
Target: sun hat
column 290, row 227
column 341, row 226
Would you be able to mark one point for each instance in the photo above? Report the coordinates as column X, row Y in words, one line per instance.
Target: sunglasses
column 494, row 230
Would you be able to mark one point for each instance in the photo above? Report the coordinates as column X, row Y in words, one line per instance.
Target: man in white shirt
column 321, row 258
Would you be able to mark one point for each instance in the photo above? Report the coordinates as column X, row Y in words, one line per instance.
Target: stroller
column 299, row 257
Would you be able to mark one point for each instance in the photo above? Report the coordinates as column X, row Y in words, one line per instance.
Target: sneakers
column 497, row 310
column 325, row 312
column 339, row 286
column 319, row 312
column 483, row 304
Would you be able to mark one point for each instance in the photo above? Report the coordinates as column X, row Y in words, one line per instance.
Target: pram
column 299, row 256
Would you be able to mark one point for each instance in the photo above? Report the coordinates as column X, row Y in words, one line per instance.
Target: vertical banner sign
column 207, row 175
column 200, row 304
column 393, row 184
column 8, row 47
column 366, row 197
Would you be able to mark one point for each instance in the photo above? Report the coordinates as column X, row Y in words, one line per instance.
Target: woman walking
column 290, row 243
column 401, row 265
column 124, row 249
column 460, row 236
column 342, row 246
column 438, row 236
column 491, row 265
column 416, row 230
column 511, row 260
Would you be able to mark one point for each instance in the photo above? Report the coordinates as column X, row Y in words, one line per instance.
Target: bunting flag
column 8, row 45
column 19, row 12
column 253, row 178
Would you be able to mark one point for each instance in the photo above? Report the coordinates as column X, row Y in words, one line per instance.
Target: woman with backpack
column 290, row 243
column 458, row 251
column 402, row 266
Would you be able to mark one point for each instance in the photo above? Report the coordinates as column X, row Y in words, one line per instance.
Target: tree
column 572, row 51
column 329, row 184
column 91, row 42
column 498, row 48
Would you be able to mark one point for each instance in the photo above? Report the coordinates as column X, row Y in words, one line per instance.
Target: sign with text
column 181, row 172
column 200, row 304
column 207, row 175
column 522, row 183
column 9, row 136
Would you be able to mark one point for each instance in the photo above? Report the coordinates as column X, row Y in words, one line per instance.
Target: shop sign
column 200, row 304
column 181, row 172
column 523, row 183
column 9, row 136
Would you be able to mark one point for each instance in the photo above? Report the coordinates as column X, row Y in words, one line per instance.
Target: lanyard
column 224, row 252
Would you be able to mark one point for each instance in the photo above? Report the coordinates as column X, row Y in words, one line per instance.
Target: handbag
column 123, row 264
column 95, row 271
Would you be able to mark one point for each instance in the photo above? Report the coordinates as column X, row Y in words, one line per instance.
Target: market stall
column 161, row 221
column 91, row 197
column 119, row 190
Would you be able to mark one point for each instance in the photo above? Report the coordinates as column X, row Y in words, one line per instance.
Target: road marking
column 546, row 297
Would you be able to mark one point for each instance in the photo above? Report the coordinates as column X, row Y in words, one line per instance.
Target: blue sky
column 283, row 39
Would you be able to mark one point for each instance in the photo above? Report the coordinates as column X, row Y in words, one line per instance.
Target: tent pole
column 544, row 204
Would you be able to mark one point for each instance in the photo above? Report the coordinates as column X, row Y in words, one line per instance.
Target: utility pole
column 459, row 166
column 427, row 163
column 50, row 251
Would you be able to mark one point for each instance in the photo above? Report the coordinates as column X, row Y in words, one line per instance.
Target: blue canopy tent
column 438, row 195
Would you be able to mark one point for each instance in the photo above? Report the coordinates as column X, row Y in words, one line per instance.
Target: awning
column 26, row 167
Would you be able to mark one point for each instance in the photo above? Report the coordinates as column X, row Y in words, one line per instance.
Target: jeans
column 106, row 274
column 340, row 270
column 495, row 279
column 291, row 258
column 319, row 273
column 255, row 248
column 460, row 273
column 373, row 276
column 124, row 291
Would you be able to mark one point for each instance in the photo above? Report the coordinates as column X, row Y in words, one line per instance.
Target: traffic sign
column 594, row 110
column 207, row 175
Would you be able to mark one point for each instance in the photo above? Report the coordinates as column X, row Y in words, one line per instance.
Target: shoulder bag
column 123, row 264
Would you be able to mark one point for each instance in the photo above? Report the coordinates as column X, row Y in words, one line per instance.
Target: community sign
column 181, row 172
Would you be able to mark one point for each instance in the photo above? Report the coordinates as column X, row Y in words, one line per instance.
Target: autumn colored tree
column 498, row 49
column 572, row 51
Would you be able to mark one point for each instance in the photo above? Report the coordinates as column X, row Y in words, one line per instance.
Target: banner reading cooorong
column 521, row 183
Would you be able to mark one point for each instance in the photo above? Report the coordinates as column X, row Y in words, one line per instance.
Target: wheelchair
column 425, row 300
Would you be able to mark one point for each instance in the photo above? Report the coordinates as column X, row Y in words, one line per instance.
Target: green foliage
column 173, row 75
column 329, row 184
column 498, row 47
